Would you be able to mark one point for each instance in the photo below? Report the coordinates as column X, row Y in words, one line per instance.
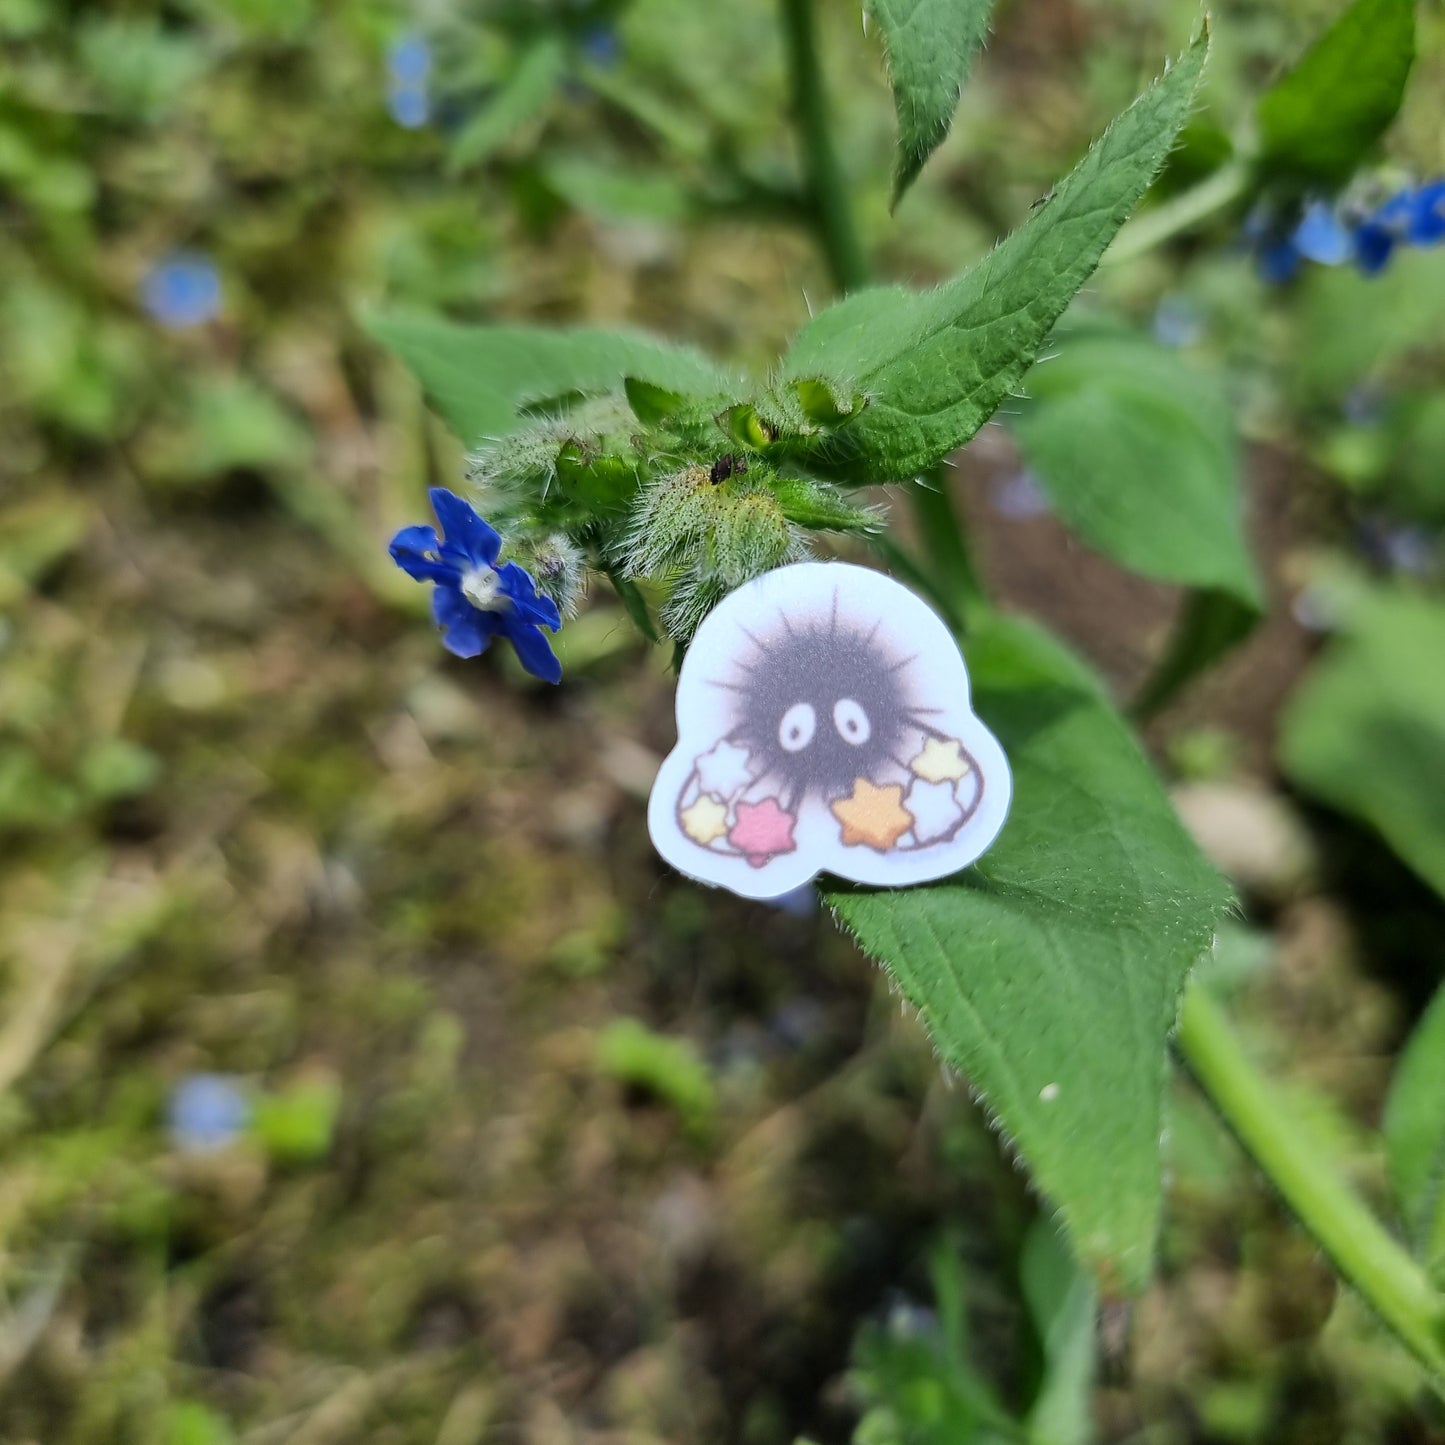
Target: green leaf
column 930, row 45
column 820, row 508
column 1319, row 121
column 651, row 404
column 480, row 377
column 611, row 193
column 1415, row 1136
column 1366, row 731
column 1049, row 973
column 1136, row 450
column 670, row 1068
column 635, row 604
column 521, row 98
column 190, row 1423
column 297, row 1126
column 935, row 365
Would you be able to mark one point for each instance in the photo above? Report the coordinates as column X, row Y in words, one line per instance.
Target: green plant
column 1051, row 974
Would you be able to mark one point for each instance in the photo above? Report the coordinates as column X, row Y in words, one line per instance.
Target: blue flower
column 1427, row 224
column 408, row 58
column 1322, row 236
column 409, row 105
column 1414, row 216
column 599, row 45
column 182, row 290
column 1386, row 227
column 475, row 599
column 206, row 1112
column 408, row 64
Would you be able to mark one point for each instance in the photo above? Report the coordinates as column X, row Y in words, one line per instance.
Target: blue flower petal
column 183, row 290
column 465, row 631
column 1396, row 213
column 1427, row 217
column 1373, row 245
column 409, row 105
column 414, row 550
column 408, row 57
column 527, row 605
column 1278, row 262
column 534, row 650
column 464, row 528
column 1322, row 236
column 205, row 1112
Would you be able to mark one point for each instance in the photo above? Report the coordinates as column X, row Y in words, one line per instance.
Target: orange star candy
column 873, row 815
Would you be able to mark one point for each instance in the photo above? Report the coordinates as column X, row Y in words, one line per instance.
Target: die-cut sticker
column 824, row 725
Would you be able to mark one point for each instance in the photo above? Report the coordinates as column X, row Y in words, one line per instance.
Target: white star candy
column 936, row 814
column 724, row 771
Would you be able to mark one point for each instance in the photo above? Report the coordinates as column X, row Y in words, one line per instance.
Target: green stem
column 952, row 576
column 946, row 565
column 828, row 194
column 1186, row 210
column 1361, row 1248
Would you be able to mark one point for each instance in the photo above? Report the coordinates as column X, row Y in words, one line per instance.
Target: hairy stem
column 946, row 566
column 827, row 193
column 1347, row 1230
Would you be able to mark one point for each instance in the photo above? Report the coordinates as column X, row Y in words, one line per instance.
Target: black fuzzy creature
column 821, row 702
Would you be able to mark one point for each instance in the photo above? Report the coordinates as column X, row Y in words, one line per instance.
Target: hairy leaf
column 479, row 377
column 1049, row 973
column 1319, row 121
column 930, row 45
column 935, row 365
column 1366, row 732
column 1137, row 452
column 1415, row 1136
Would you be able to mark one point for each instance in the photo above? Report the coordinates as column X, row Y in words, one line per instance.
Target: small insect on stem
column 727, row 466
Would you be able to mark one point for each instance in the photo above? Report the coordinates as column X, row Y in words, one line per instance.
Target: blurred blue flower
column 1428, row 223
column 1019, row 496
column 182, row 290
column 1278, row 262
column 1332, row 234
column 206, row 1112
column 408, row 59
column 1414, row 216
column 409, row 105
column 408, row 66
column 1178, row 321
column 601, row 46
column 1322, row 236
column 475, row 599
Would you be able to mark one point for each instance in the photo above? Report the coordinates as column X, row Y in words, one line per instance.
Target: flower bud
column 559, row 570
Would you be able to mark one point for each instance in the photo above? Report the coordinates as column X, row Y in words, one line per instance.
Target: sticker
column 824, row 725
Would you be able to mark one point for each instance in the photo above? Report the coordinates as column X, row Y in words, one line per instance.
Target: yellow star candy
column 873, row 815
column 705, row 821
column 941, row 762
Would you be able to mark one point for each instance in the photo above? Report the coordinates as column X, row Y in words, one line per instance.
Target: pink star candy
column 762, row 831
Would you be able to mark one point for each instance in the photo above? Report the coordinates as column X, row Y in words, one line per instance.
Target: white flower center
column 482, row 587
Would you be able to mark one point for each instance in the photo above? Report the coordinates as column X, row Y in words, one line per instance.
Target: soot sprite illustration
column 824, row 725
column 820, row 703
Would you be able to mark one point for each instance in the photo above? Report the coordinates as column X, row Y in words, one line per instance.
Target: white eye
column 796, row 730
column 852, row 722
